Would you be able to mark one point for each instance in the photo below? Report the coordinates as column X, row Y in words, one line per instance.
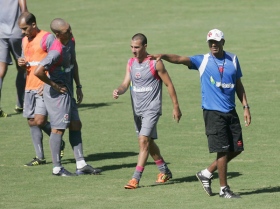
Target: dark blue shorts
column 223, row 130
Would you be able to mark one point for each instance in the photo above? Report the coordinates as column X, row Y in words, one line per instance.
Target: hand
column 247, row 117
column 177, row 114
column 80, row 95
column 60, row 88
column 156, row 57
column 22, row 62
column 116, row 94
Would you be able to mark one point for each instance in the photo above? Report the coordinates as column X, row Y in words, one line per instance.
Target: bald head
column 27, row 17
column 58, row 24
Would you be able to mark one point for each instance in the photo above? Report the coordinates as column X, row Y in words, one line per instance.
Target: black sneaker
column 88, row 170
column 227, row 193
column 18, row 110
column 62, row 146
column 206, row 183
column 3, row 114
column 36, row 161
column 63, row 172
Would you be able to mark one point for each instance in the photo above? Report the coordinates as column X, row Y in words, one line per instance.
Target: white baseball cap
column 215, row 34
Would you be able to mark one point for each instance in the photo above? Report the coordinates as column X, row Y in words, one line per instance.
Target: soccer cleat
column 36, row 161
column 18, row 109
column 206, row 183
column 3, row 114
column 163, row 177
column 64, row 173
column 132, row 184
column 88, row 170
column 62, row 146
column 227, row 193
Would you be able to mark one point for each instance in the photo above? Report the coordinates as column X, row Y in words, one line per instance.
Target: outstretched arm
column 173, row 58
column 124, row 86
column 162, row 72
column 240, row 91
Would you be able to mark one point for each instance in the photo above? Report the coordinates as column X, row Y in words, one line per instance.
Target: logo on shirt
column 142, row 89
column 137, row 75
column 65, row 118
column 223, row 85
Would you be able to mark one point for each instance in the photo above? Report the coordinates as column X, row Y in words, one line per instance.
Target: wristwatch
column 79, row 86
column 246, row 106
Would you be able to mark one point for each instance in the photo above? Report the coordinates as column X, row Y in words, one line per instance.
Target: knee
column 40, row 121
column 31, row 122
column 75, row 125
column 143, row 142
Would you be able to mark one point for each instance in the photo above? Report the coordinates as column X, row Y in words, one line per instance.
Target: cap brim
column 215, row 39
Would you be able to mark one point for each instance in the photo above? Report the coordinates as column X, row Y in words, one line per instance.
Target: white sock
column 206, row 173
column 80, row 164
column 221, row 190
column 56, row 170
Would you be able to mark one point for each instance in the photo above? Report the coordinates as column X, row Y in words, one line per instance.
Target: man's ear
column 224, row 41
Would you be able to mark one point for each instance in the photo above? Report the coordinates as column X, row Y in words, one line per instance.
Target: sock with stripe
column 162, row 166
column 138, row 172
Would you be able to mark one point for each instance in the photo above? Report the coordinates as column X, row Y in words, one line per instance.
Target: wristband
column 79, row 86
column 246, row 106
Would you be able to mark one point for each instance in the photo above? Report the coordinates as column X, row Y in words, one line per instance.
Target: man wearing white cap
column 220, row 78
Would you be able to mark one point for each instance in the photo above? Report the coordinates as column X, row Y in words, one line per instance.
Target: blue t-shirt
column 218, row 80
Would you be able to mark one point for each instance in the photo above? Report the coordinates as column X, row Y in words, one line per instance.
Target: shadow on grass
column 193, row 178
column 14, row 114
column 262, row 190
column 108, row 155
column 95, row 105
column 83, row 106
column 120, row 166
column 103, row 156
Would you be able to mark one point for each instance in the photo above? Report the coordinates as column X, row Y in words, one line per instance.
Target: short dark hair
column 140, row 36
column 28, row 17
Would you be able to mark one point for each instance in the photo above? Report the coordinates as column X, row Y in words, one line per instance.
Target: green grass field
column 103, row 30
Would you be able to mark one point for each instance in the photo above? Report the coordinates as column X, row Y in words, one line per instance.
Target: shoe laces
column 227, row 190
column 133, row 182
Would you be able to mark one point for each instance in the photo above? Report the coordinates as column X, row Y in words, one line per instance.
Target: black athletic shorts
column 223, row 130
